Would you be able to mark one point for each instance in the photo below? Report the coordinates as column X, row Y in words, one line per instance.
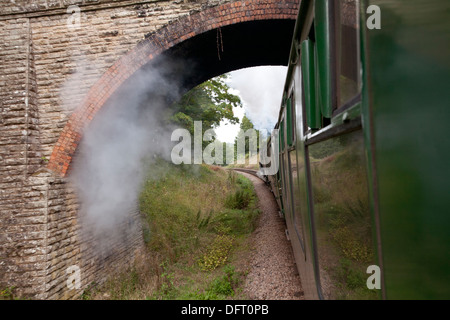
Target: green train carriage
column 363, row 149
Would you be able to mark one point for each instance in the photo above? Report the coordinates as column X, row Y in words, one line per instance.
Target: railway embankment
column 209, row 234
column 197, row 223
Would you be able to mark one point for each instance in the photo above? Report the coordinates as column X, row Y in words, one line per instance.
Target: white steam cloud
column 261, row 90
column 108, row 169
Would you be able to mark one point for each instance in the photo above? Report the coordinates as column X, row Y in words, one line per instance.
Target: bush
column 243, row 196
column 239, row 200
column 225, row 284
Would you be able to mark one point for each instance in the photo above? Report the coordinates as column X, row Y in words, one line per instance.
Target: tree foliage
column 209, row 102
column 245, row 125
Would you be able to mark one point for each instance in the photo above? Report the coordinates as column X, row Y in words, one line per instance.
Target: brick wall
column 23, row 224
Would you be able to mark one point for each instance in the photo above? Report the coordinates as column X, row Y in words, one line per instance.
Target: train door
column 287, row 186
column 292, row 174
column 281, row 171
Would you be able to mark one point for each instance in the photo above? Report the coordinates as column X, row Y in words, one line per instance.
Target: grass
column 225, row 285
column 196, row 222
column 9, row 293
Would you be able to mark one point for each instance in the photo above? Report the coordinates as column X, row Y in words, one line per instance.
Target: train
column 361, row 149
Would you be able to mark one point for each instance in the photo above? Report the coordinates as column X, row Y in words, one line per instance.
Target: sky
column 260, row 90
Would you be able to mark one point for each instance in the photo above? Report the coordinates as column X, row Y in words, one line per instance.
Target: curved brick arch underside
column 214, row 41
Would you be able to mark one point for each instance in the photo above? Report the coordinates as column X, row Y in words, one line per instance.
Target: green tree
column 209, row 102
column 245, row 125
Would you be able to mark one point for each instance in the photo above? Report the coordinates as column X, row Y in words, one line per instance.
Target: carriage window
column 343, row 221
column 347, row 51
column 290, row 121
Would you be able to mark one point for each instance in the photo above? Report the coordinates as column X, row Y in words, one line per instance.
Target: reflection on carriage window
column 347, row 47
column 342, row 217
column 296, row 199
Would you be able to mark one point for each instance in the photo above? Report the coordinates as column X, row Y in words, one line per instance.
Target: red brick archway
column 154, row 45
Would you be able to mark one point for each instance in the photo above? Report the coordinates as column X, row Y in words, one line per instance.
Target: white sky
column 260, row 90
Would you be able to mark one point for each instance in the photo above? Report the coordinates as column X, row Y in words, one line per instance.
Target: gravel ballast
column 272, row 271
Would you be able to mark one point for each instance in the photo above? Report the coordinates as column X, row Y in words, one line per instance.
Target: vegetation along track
column 181, row 225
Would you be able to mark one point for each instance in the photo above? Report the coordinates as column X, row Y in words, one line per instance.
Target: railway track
column 249, row 171
column 272, row 273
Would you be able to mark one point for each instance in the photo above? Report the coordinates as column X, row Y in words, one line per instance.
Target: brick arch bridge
column 264, row 32
column 43, row 122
